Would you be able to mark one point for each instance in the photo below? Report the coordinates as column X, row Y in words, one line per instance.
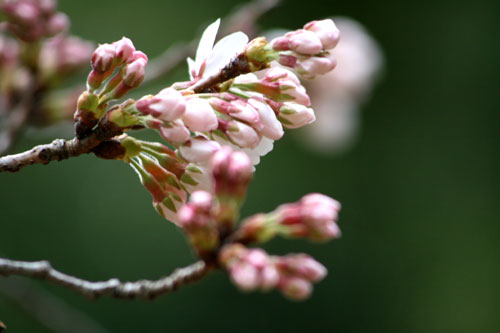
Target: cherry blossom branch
column 243, row 18
column 144, row 289
column 59, row 149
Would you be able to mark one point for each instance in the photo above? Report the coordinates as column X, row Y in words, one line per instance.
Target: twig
column 144, row 289
column 243, row 18
column 49, row 310
column 239, row 65
column 59, row 149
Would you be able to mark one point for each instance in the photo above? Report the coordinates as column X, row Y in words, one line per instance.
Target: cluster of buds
column 199, row 179
column 254, row 269
column 32, row 20
column 313, row 217
column 197, row 219
column 29, row 58
column 306, row 50
column 122, row 59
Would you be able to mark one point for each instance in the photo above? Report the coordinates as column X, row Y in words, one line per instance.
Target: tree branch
column 59, row 149
column 144, row 289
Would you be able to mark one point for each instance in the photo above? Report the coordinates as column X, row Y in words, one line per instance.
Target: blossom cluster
column 214, row 135
column 37, row 52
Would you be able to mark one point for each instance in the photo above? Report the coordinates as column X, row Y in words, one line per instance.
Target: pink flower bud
column 304, row 42
column 295, row 288
column 271, row 127
column 296, row 115
column 103, row 58
column 269, row 277
column 174, row 131
column 47, row 6
column 198, row 149
column 238, row 109
column 124, row 49
column 327, row 32
column 279, row 73
column 167, row 105
column 134, row 72
column 280, row 44
column 303, row 266
column 199, row 115
column 58, row 23
column 245, row 276
column 232, row 172
column 312, row 66
column 201, row 200
column 297, row 92
column 242, row 134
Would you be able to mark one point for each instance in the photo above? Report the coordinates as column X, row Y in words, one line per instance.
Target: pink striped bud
column 304, row 42
column 242, row 134
column 313, row 217
column 58, row 23
column 295, row 288
column 280, row 44
column 295, row 115
column 271, row 127
column 197, row 220
column 103, row 58
column 279, row 73
column 238, row 109
column 174, row 131
column 124, row 49
column 134, row 71
column 232, row 172
column 167, row 105
column 198, row 149
column 303, row 266
column 327, row 32
column 312, row 66
column 199, row 115
column 249, row 269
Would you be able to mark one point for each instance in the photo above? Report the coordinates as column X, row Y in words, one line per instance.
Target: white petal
column 192, row 68
column 224, row 51
column 206, row 43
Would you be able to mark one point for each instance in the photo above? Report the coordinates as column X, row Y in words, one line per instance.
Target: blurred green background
column 420, row 190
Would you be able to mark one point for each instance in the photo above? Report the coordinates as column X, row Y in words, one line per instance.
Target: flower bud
column 167, row 105
column 280, row 44
column 198, row 149
column 249, row 269
column 317, row 65
column 232, row 172
column 58, row 23
column 327, row 32
column 174, row 131
column 303, row 266
column 124, row 49
column 197, row 220
column 103, row 58
column 242, row 135
column 238, row 109
column 199, row 115
column 304, row 42
column 294, row 115
column 134, row 71
column 271, row 127
column 197, row 177
column 295, row 288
